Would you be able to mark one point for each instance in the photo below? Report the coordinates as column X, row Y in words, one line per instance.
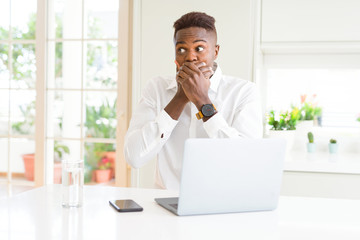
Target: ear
column 217, row 48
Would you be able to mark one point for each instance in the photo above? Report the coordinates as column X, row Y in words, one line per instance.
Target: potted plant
column 284, row 121
column 333, row 146
column 103, row 171
column 311, row 146
column 100, row 123
column 318, row 116
column 283, row 126
column 59, row 151
column 26, row 126
column 29, row 162
column 309, row 112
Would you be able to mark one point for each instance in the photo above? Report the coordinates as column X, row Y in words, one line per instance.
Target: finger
column 190, row 69
column 200, row 64
column 207, row 74
column 179, row 79
column 182, row 74
column 192, row 66
column 206, row 69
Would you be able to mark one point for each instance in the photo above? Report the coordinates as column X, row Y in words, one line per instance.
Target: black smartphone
column 126, row 205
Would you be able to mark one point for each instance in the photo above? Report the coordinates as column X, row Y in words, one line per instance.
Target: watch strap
column 199, row 115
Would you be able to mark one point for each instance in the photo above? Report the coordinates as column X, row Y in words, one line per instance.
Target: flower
column 285, row 120
column 104, row 163
column 308, row 107
column 302, row 98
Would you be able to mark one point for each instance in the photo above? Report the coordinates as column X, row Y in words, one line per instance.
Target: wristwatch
column 207, row 110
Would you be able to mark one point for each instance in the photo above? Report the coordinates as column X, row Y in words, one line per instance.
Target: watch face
column 208, row 110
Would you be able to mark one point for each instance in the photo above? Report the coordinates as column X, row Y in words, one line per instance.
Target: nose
column 191, row 56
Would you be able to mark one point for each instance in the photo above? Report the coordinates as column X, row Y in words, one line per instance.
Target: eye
column 181, row 50
column 199, row 49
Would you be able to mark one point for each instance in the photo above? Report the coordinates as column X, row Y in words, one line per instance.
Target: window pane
column 4, row 112
column 65, row 19
column 100, row 117
column 22, row 112
column 99, row 156
column 101, row 68
column 64, row 65
column 22, row 158
column 4, row 19
column 336, row 92
column 101, row 18
column 4, row 66
column 4, row 156
column 63, row 114
column 23, row 19
column 24, row 66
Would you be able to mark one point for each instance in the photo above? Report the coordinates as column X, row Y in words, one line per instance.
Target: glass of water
column 72, row 183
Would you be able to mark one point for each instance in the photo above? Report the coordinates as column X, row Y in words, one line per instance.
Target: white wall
column 157, row 48
column 310, row 20
column 154, row 49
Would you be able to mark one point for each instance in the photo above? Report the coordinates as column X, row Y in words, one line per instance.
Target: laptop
column 228, row 175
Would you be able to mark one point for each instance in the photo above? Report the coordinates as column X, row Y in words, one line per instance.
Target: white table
column 38, row 214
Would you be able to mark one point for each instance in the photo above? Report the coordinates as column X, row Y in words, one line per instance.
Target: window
column 82, row 82
column 17, row 88
column 334, row 90
column 332, row 78
column 80, row 89
column 330, row 81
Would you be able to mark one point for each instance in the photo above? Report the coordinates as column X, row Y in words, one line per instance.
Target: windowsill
column 347, row 163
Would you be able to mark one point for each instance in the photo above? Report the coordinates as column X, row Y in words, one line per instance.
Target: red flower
column 104, row 163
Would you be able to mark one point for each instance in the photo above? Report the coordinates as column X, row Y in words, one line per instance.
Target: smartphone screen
column 126, row 205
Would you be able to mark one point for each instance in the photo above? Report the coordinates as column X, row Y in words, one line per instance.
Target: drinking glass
column 72, row 183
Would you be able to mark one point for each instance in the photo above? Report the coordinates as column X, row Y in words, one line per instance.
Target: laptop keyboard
column 174, row 205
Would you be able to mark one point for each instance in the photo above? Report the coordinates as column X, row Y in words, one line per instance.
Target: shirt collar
column 214, row 80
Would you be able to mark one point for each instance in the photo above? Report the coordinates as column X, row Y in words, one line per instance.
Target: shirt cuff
column 214, row 124
column 166, row 124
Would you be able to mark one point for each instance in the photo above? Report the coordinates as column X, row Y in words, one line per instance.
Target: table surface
column 38, row 214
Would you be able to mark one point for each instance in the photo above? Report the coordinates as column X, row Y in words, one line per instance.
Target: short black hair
column 195, row 19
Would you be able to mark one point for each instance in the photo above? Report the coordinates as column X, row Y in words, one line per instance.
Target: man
column 199, row 103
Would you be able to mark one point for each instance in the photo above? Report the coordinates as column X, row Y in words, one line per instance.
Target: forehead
column 192, row 34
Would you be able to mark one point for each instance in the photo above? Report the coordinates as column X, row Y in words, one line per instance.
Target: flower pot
column 333, row 148
column 29, row 161
column 288, row 135
column 112, row 157
column 102, row 176
column 302, row 129
column 311, row 147
column 305, row 125
column 57, row 172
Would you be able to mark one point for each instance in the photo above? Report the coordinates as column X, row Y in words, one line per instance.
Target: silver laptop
column 228, row 175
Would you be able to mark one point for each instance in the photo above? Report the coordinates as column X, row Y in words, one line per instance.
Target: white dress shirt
column 153, row 133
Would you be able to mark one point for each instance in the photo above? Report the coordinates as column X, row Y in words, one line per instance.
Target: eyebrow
column 182, row 42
